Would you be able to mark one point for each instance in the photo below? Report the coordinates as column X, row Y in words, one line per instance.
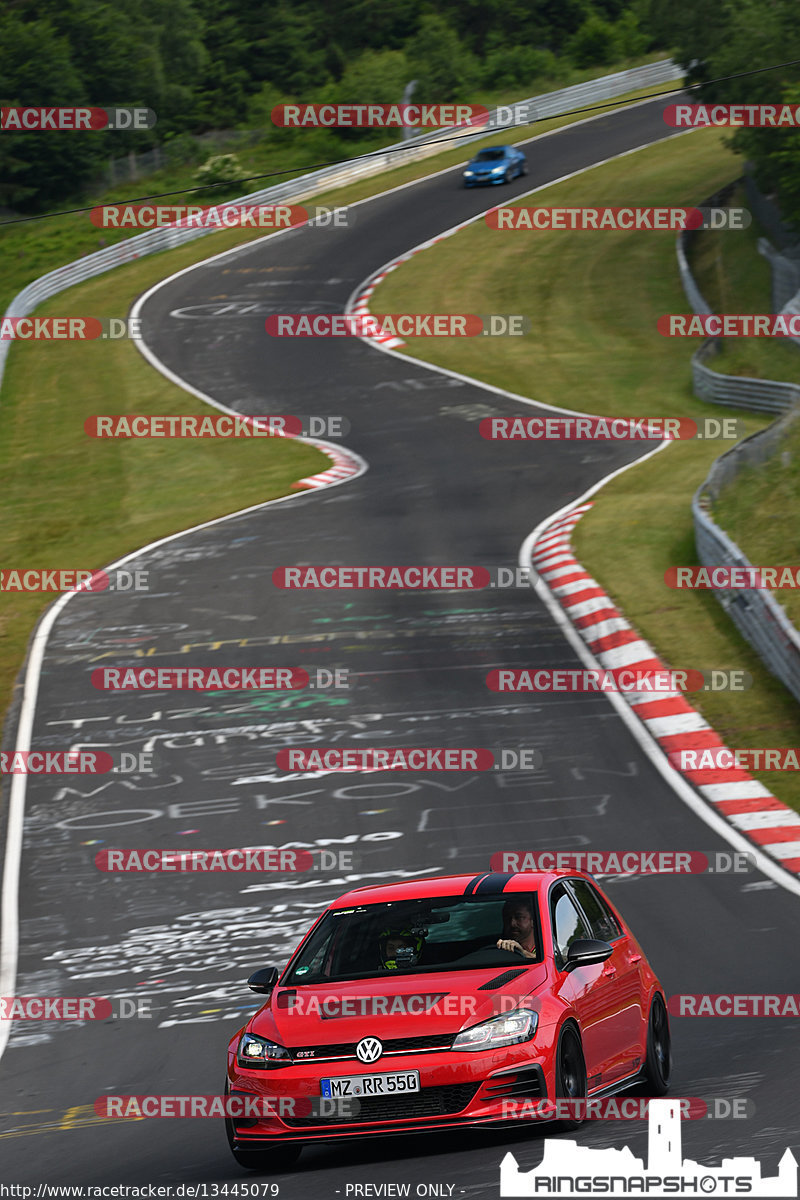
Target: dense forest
column 213, row 64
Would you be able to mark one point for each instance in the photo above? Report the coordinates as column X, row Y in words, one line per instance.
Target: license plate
column 399, row 1082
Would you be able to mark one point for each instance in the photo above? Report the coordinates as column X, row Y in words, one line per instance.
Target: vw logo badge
column 369, row 1050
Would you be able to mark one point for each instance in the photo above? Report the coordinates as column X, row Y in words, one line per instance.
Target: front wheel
column 570, row 1074
column 658, row 1060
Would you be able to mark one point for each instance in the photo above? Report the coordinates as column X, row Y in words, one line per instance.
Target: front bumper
column 485, row 1090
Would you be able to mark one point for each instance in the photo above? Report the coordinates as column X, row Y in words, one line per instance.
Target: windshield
column 420, row 936
column 492, row 152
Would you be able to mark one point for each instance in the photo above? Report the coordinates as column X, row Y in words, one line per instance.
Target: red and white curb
column 669, row 719
column 345, row 466
column 360, row 304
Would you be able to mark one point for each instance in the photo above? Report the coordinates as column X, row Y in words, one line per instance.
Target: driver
column 400, row 948
column 519, row 933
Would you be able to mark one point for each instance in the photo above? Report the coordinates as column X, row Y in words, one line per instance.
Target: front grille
column 407, row 1045
column 500, row 980
column 429, row 1102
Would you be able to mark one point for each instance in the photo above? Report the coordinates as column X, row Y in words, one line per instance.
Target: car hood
column 414, row 1006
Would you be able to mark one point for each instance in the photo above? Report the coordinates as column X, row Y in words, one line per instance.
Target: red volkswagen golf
column 441, row 1003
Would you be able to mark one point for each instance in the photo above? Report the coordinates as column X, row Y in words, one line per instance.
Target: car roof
column 488, row 883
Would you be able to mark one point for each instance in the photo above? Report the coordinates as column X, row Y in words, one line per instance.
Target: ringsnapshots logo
column 72, row 120
column 567, row 1169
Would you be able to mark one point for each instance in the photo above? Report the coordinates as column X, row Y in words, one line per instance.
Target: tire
column 507, row 177
column 272, row 1157
column 570, row 1073
column 523, row 169
column 658, row 1059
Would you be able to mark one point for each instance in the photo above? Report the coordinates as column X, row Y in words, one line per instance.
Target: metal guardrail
column 739, row 391
column 754, row 611
column 153, row 240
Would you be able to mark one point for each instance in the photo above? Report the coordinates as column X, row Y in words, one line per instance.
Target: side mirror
column 264, row 981
column 586, row 951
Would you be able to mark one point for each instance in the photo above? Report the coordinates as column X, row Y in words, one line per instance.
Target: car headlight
column 469, row 172
column 500, row 1031
column 496, row 169
column 258, row 1053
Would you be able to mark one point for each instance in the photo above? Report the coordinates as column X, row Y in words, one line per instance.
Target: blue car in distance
column 495, row 164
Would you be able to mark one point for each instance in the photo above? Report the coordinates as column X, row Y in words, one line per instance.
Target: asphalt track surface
column 435, row 492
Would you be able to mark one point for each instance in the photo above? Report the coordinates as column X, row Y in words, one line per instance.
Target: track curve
column 433, row 494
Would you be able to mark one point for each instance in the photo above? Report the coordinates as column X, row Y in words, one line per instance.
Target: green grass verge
column 593, row 301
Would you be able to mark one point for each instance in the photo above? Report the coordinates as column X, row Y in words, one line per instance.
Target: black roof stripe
column 494, row 883
column 474, row 883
